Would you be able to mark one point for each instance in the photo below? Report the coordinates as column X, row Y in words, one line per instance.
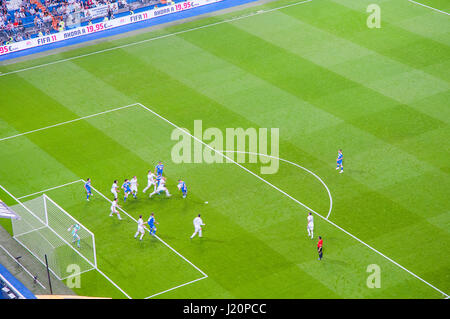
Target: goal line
column 204, row 275
column 54, row 233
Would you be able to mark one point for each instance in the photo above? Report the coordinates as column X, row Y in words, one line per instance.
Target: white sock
column 142, row 235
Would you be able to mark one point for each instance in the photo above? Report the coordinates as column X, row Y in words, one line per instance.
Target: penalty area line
column 179, row 286
column 67, row 122
column 297, row 201
column 162, row 241
column 49, row 189
column 424, row 5
column 134, row 219
column 69, row 245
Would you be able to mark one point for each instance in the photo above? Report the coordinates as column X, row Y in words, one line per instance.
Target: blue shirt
column 126, row 186
column 340, row 156
column 87, row 186
column 183, row 186
column 151, row 222
column 159, row 169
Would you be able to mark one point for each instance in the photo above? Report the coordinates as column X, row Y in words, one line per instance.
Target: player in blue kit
column 126, row 189
column 151, row 224
column 158, row 181
column 182, row 187
column 87, row 187
column 159, row 170
column 339, row 161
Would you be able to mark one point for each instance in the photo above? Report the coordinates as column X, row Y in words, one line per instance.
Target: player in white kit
column 114, row 209
column 140, row 228
column 198, row 223
column 161, row 187
column 310, row 227
column 114, row 189
column 151, row 181
column 134, row 186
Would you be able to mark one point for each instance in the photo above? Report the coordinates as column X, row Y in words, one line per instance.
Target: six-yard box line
column 204, row 275
column 230, row 160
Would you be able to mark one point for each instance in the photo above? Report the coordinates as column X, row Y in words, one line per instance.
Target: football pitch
column 312, row 69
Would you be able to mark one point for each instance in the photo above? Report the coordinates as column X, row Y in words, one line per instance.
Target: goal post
column 58, row 218
column 42, row 229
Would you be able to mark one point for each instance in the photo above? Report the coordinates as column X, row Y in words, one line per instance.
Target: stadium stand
column 12, row 288
column 25, row 19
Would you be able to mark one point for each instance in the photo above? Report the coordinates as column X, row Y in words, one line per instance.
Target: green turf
column 316, row 72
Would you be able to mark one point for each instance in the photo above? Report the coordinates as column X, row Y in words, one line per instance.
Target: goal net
column 43, row 230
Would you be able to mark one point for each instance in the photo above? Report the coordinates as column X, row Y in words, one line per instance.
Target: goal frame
column 45, row 198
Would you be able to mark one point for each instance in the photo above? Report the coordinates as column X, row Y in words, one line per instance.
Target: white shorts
column 134, row 188
column 310, row 226
column 141, row 229
column 161, row 188
column 114, row 193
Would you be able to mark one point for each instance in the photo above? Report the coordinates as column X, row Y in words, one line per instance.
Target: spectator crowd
column 23, row 19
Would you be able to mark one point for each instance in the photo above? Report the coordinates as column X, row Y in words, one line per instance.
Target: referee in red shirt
column 320, row 248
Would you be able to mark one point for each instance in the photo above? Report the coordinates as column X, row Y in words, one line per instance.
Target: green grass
column 316, row 72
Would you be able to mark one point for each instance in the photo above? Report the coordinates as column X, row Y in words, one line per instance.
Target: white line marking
column 33, row 230
column 232, row 161
column 78, row 273
column 335, row 225
column 26, row 270
column 84, row 228
column 81, row 180
column 273, row 186
column 62, row 123
column 424, row 5
column 69, row 245
column 155, row 38
column 176, row 252
column 113, row 283
column 49, row 189
column 188, row 283
column 295, row 164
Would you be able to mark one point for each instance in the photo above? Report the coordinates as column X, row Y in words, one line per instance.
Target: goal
column 42, row 229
